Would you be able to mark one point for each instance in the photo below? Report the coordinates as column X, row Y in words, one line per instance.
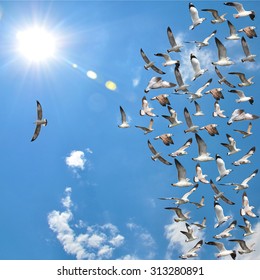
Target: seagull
column 150, row 64
column 181, row 151
column 192, row 252
column 124, row 123
column 181, row 217
column 244, row 184
column 241, row 115
column 222, row 250
column 198, row 94
column 39, row 122
column 184, row 199
column 198, row 110
column 246, row 209
column 205, row 42
column 242, row 97
column 174, row 46
column 196, row 67
column 202, row 147
column 162, row 99
column 249, row 57
column 189, row 233
column 157, row 155
column 216, row 93
column 245, row 82
column 249, row 31
column 166, row 138
column 218, row 112
column 147, row 129
column 182, row 87
column 199, row 204
column 191, row 126
column 220, row 194
column 172, row 118
column 231, row 146
column 157, row 82
column 168, row 60
column 199, row 176
column 247, row 228
column 232, row 32
column 221, row 218
column 244, row 159
column 223, row 79
column 211, row 129
column 196, row 20
column 241, row 11
column 247, row 132
column 226, row 233
column 202, row 225
column 243, row 245
column 182, row 180
column 215, row 14
column 146, row 109
column 223, row 60
column 221, row 168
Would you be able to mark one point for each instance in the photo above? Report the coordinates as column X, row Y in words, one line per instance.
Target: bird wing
column 201, row 145
column 232, row 29
column 187, row 117
column 245, row 46
column 39, row 110
column 151, row 147
column 171, row 37
column 123, row 115
column 219, row 245
column 222, row 51
column 181, row 170
column 178, row 76
column 144, row 56
column 36, row 132
column 163, row 160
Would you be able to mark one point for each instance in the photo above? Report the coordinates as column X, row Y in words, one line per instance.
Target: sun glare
column 36, row 44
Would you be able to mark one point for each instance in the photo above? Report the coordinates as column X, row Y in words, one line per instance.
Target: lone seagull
column 218, row 112
column 202, row 147
column 156, row 83
column 150, row 64
column 157, row 155
column 223, row 60
column 183, row 181
column 39, row 122
column 249, row 31
column 221, row 168
column 198, row 93
column 162, row 99
column 167, row 58
column 220, row 194
column 124, row 123
column 242, row 97
column 244, row 159
column 201, row 225
column 231, row 145
column 166, row 138
column 246, row 208
column 181, row 151
column 173, row 119
column 146, row 110
column 221, row 218
column 241, row 115
column 247, row 132
column 247, row 227
column 222, row 250
column 241, row 11
column 244, row 81
column 174, row 46
column 147, row 129
column 215, row 14
column 199, row 176
column 226, row 232
column 189, row 233
column 232, row 32
column 196, row 67
column 223, row 79
column 249, row 57
column 192, row 252
column 196, row 20
column 205, row 42
column 216, row 93
column 245, row 248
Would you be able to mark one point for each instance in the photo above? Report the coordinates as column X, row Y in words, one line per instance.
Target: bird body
column 221, row 168
column 39, row 122
column 196, row 20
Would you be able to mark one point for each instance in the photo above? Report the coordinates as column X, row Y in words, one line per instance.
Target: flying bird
column 205, row 42
column 249, row 31
column 244, row 81
column 192, row 252
column 241, row 11
column 216, row 93
column 199, row 205
column 181, row 217
column 201, row 225
column 174, row 46
column 245, row 248
column 189, row 233
column 173, row 118
column 246, row 208
column 211, row 129
column 244, row 159
column 223, row 79
column 182, row 150
column 198, row 94
column 222, row 250
column 232, row 32
column 199, row 175
column 168, row 60
column 146, row 110
column 221, row 168
column 249, row 57
column 219, row 194
column 124, row 123
column 218, row 112
column 226, row 232
column 247, row 132
column 148, row 129
column 39, row 122
column 247, row 227
column 223, row 60
column 162, row 99
column 150, row 64
column 215, row 14
column 242, row 96
column 157, row 83
column 166, row 138
column 157, row 155
column 202, row 147
column 182, row 87
column 191, row 126
column 241, row 115
column 231, row 146
column 198, row 109
column 196, row 67
column 196, row 20
column 183, row 181
column 221, row 218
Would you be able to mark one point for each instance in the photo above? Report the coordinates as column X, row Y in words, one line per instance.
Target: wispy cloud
column 95, row 241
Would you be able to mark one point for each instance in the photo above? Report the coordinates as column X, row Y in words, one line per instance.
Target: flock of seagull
column 180, row 88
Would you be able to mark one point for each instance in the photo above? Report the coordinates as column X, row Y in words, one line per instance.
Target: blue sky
column 85, row 189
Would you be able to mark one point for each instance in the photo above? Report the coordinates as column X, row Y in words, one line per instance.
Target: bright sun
column 36, row 44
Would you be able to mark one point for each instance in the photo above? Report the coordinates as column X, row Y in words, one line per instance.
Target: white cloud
column 76, row 160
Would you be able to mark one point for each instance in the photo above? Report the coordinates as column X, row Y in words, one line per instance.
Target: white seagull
column 241, row 115
column 199, row 204
column 181, row 217
column 192, row 252
column 198, row 109
column 241, row 11
column 220, row 195
column 244, row 185
column 245, row 248
column 124, row 123
column 189, row 233
column 202, row 148
column 226, row 232
column 162, row 99
column 156, row 83
column 196, row 67
column 246, row 133
column 205, row 42
column 201, row 225
column 246, row 209
column 191, row 126
column 231, row 146
column 221, row 168
column 244, row 80
column 249, row 31
column 168, row 60
column 242, row 96
column 223, row 60
column 183, row 181
column 146, row 110
column 232, row 32
column 223, row 79
column 150, row 64
column 181, row 151
column 222, row 250
column 174, row 46
column 157, row 155
column 173, row 118
column 215, row 14
column 247, row 227
column 148, row 129
column 221, row 218
column 182, row 87
column 217, row 111
column 198, row 94
column 39, row 122
column 244, row 159
column 166, row 138
column 249, row 57
column 196, row 20
column 199, row 175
